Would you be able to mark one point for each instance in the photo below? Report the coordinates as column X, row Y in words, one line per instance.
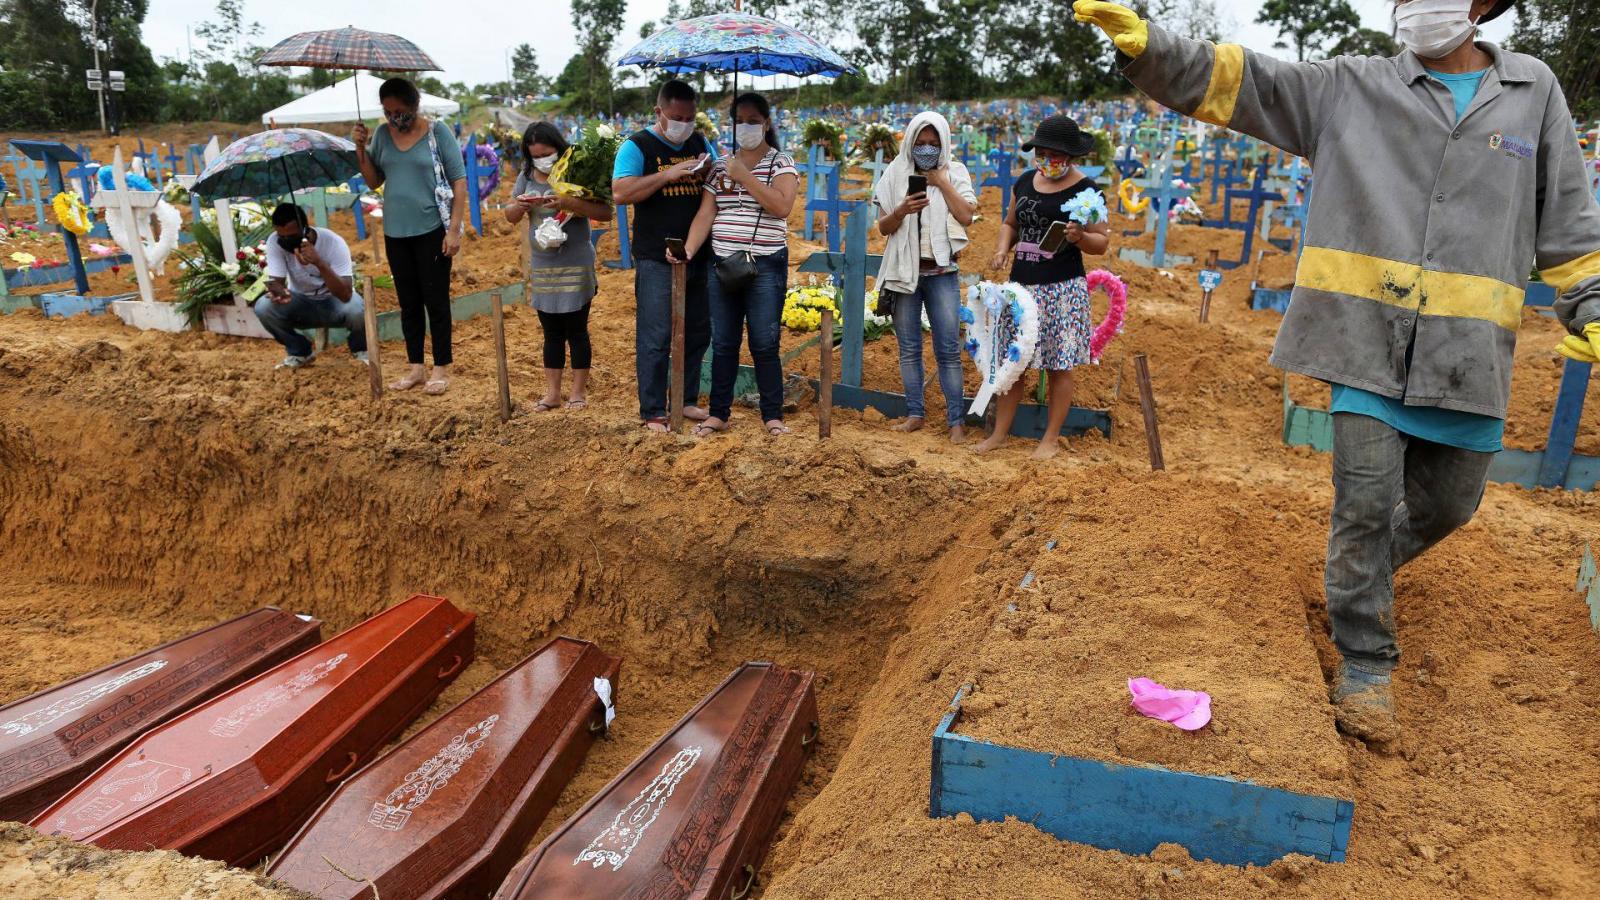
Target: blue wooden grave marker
column 50, row 155
column 624, row 258
column 1163, row 198
column 474, row 170
column 1002, row 178
column 1256, row 195
column 828, row 202
column 1132, row 809
column 29, row 182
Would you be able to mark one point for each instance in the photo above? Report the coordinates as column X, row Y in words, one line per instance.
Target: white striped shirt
column 741, row 223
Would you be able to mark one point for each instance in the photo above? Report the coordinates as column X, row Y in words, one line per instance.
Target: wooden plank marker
column 497, row 318
column 1147, row 401
column 825, row 378
column 680, row 278
column 369, row 313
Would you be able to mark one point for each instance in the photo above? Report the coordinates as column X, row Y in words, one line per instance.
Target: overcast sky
column 475, row 52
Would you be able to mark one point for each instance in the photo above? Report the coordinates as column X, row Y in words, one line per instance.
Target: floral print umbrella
column 735, row 42
column 278, row 162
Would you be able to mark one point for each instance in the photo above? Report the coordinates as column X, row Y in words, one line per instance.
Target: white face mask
column 750, row 137
column 1433, row 28
column 545, row 163
column 677, row 132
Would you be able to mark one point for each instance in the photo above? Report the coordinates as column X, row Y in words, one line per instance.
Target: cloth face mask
column 403, row 120
column 926, row 156
column 1433, row 28
column 545, row 163
column 1052, row 168
column 749, row 136
column 677, row 132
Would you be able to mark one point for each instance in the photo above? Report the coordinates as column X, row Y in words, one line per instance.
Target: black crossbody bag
column 736, row 270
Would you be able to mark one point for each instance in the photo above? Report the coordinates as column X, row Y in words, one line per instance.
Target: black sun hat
column 1499, row 8
column 1061, row 133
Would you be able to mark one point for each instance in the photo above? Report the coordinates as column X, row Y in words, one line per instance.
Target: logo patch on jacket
column 1512, row 147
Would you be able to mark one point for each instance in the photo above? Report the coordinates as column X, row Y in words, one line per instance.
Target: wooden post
column 369, row 313
column 501, row 374
column 675, row 399
column 1205, row 301
column 825, row 379
column 1147, row 400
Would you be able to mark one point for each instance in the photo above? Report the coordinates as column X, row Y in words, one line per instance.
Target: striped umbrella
column 277, row 162
column 349, row 48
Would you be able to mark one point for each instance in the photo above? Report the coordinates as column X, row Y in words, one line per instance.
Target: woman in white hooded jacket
column 926, row 233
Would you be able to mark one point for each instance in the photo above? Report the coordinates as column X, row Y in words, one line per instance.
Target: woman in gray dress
column 561, row 273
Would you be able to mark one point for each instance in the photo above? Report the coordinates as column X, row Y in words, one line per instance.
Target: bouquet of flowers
column 803, row 306
column 205, row 276
column 1086, row 208
column 584, row 171
column 829, row 134
column 875, row 137
column 175, row 193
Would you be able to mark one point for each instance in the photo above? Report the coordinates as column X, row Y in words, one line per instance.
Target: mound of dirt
column 37, row 865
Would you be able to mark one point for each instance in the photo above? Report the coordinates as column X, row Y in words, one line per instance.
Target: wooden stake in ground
column 680, row 276
column 1147, row 400
column 1205, row 301
column 504, row 377
column 825, row 382
column 369, row 315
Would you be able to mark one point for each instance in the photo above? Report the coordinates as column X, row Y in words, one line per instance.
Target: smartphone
column 916, row 184
column 1054, row 238
column 675, row 249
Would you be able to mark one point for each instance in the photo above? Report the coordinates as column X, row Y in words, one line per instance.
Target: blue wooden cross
column 1163, row 197
column 30, row 180
column 624, row 248
column 84, row 174
column 827, row 200
column 49, row 156
column 1564, row 421
column 874, row 167
column 1257, row 195
column 173, row 158
column 358, row 186
column 1002, row 177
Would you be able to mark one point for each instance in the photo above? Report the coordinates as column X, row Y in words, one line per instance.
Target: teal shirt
column 1468, row 431
column 409, row 209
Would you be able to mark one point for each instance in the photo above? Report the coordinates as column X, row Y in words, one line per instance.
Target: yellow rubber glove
column 1121, row 24
column 1583, row 349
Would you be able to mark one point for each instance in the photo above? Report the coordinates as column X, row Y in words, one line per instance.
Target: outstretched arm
column 1567, row 249
column 1283, row 103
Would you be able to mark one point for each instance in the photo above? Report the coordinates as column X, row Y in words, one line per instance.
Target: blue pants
column 941, row 296
column 1394, row 496
column 758, row 308
column 302, row 311
column 652, row 288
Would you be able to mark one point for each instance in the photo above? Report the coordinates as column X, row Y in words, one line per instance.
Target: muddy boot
column 1363, row 707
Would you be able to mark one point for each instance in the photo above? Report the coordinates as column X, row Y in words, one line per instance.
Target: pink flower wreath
column 1111, row 326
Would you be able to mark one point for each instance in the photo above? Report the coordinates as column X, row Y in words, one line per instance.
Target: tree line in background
column 907, row 49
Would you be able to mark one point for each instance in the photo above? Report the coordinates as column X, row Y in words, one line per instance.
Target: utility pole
column 94, row 34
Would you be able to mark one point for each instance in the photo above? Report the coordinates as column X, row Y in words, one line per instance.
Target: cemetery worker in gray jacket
column 1442, row 175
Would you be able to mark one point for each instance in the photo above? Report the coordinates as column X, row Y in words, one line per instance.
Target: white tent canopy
column 337, row 103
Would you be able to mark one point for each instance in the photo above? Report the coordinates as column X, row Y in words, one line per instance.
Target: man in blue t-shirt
column 659, row 172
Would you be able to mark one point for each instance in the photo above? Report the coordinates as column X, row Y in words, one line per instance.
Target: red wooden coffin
column 53, row 739
column 230, row 780
column 447, row 813
column 694, row 815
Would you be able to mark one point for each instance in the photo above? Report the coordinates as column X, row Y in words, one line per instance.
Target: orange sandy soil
column 151, row 484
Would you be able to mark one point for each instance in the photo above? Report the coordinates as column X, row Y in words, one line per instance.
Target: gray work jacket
column 1422, row 228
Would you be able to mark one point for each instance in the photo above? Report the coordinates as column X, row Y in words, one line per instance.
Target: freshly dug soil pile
column 153, row 483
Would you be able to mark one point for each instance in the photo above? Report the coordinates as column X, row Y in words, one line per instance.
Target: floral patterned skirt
column 1065, row 325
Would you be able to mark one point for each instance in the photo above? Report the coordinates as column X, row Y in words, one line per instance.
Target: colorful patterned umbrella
column 278, row 162
column 738, row 43
column 349, row 48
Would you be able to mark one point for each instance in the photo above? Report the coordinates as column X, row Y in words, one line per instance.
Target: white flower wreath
column 156, row 251
column 1001, row 358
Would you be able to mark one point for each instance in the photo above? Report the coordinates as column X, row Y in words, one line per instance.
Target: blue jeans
column 1394, row 496
column 941, row 295
column 302, row 311
column 652, row 288
column 759, row 307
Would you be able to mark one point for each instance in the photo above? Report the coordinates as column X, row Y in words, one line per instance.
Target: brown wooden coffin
column 693, row 816
column 231, row 779
column 53, row 739
column 447, row 813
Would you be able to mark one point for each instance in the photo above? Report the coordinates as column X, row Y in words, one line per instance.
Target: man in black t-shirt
column 659, row 172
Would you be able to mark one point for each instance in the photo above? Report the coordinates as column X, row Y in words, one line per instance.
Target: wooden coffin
column 53, row 739
column 230, row 780
column 694, row 815
column 447, row 813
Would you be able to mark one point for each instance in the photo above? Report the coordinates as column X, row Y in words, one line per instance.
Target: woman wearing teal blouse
column 418, row 164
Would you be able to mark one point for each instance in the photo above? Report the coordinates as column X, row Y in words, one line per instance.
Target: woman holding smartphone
column 1045, row 251
column 744, row 212
column 561, row 277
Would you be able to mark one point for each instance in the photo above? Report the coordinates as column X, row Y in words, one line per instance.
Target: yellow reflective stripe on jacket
column 1404, row 285
column 1227, row 74
column 1569, row 274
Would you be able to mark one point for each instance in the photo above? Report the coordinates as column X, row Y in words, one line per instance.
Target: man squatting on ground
column 1442, row 174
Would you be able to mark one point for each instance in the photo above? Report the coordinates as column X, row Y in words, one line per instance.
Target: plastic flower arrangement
column 175, row 193
column 1086, row 208
column 829, row 134
column 875, row 137
column 803, row 306
column 24, row 260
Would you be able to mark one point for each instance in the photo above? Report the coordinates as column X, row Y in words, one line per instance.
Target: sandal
column 706, row 429
column 578, row 403
column 542, row 407
column 407, row 383
column 695, row 414
column 658, row 424
column 776, row 428
column 436, row 386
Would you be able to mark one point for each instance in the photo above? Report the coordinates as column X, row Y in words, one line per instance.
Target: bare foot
column 992, row 442
column 1047, row 448
column 958, row 434
column 695, row 414
column 659, row 426
column 912, row 423
column 415, row 377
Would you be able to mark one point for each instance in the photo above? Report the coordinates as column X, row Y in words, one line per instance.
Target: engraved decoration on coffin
column 616, row 843
column 392, row 813
column 233, row 723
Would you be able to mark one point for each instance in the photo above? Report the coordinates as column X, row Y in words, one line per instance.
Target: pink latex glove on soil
column 1189, row 710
